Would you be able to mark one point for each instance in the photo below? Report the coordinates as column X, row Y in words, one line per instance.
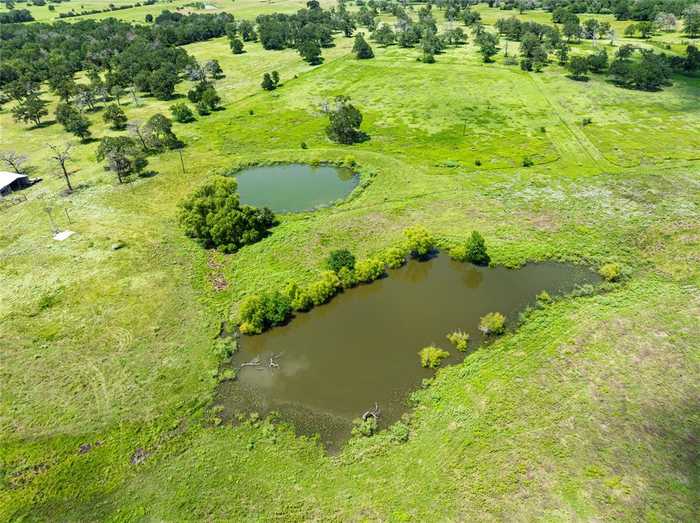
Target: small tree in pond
column 115, row 116
column 344, row 122
column 61, row 155
column 361, row 48
column 493, row 324
column 431, row 357
column 459, row 339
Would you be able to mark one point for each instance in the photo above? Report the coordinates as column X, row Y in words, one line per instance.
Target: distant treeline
column 126, row 53
column 111, row 7
column 16, row 16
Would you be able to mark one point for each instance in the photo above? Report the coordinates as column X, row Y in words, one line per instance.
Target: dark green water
column 294, row 187
column 337, row 360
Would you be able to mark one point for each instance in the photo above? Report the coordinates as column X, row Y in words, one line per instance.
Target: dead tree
column 62, row 155
column 14, row 160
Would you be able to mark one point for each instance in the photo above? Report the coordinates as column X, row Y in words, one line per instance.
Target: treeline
column 111, row 7
column 622, row 9
column 16, row 16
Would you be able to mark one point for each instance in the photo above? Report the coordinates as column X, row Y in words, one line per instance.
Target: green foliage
column 261, row 311
column 361, row 48
column 323, row 289
column 459, row 252
column 431, row 356
column 369, row 269
column 115, row 116
column 475, row 248
column 611, row 271
column 527, row 162
column 123, row 156
column 213, row 215
column 182, row 113
column 340, row 258
column 488, row 45
column 344, row 122
column 394, row 257
column 364, row 427
column 419, row 241
column 347, row 277
column 543, row 298
column 399, row 432
column 493, row 324
column 459, row 339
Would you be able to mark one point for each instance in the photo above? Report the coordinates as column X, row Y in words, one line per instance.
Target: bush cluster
column 611, row 271
column 261, row 311
column 419, row 242
column 493, row 324
column 459, row 339
column 214, row 216
column 473, row 251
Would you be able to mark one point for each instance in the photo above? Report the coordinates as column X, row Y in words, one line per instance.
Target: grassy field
column 589, row 411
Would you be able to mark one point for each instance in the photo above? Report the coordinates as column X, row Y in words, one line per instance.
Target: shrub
column 476, row 250
column 394, row 257
column 459, row 253
column 543, row 298
column 304, row 146
column 586, row 121
column 477, row 162
column 459, row 339
column 325, row 288
column 494, row 323
column 399, row 432
column 369, row 270
column 302, row 301
column 339, row 259
column 420, row 241
column 115, row 116
column 181, row 112
column 527, row 162
column 610, row 271
column 430, row 357
column 364, row 427
column 347, row 277
column 261, row 311
column 213, row 215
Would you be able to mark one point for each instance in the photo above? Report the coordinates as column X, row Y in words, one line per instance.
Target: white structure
column 12, row 181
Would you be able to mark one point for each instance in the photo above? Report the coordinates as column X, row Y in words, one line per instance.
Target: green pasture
column 586, row 412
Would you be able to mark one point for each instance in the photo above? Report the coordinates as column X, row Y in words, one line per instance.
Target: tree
column 30, row 109
column 267, row 83
column 236, row 46
column 361, row 48
column 310, row 51
column 487, row 43
column 149, row 18
column 62, row 155
column 598, row 62
column 666, row 22
column 419, row 242
column 158, row 134
column 532, row 52
column 73, row 120
column 562, row 53
column 182, row 113
column 691, row 20
column 383, row 35
column 578, row 66
column 344, row 122
column 340, row 258
column 210, row 99
column 115, row 116
column 124, row 157
column 214, row 216
column 572, row 29
column 117, row 92
column 213, row 69
column 85, row 97
column 14, row 160
column 476, row 250
column 162, row 83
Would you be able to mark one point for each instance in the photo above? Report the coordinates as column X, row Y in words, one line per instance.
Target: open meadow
column 589, row 410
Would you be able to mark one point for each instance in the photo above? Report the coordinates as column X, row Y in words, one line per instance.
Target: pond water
column 294, row 187
column 339, row 359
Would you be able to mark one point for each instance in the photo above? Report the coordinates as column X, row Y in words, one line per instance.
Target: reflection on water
column 294, row 187
column 337, row 360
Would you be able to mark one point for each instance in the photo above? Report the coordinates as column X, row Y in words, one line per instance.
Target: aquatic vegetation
column 493, row 324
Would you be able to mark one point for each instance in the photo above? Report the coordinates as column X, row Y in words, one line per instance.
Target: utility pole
column 182, row 162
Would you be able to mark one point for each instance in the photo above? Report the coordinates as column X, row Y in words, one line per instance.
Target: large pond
column 338, row 360
column 294, row 187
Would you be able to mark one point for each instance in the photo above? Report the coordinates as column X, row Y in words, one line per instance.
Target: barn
column 10, row 182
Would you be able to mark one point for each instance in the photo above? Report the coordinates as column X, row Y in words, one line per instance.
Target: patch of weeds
column 431, row 356
column 493, row 324
column 459, row 339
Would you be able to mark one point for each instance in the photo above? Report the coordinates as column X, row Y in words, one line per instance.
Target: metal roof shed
column 12, row 182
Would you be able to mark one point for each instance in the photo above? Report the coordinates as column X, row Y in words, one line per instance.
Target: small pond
column 294, row 187
column 337, row 360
